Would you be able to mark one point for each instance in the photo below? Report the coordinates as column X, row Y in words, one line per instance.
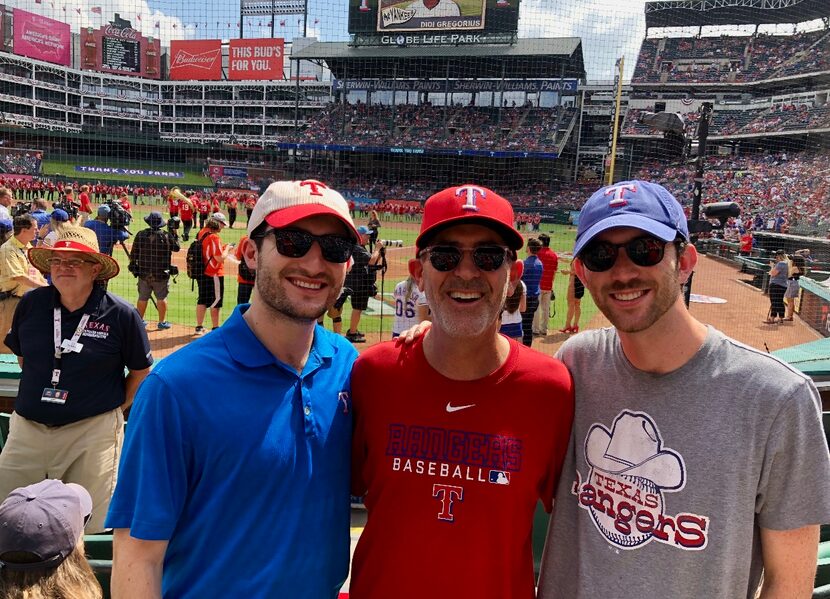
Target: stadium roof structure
column 527, row 58
column 700, row 13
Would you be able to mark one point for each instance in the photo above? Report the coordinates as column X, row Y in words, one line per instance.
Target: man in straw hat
column 458, row 436
column 73, row 340
column 697, row 463
column 266, row 440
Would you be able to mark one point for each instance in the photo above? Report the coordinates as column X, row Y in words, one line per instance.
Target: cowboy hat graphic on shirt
column 633, row 447
column 630, row 470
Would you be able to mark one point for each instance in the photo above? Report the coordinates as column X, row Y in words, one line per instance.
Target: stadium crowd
column 510, row 128
column 731, row 58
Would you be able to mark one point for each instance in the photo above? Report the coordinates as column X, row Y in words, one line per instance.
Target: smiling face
column 466, row 301
column 70, row 280
column 301, row 288
column 635, row 297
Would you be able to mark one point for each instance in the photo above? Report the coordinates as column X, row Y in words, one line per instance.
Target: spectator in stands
column 212, row 283
column 16, row 274
column 6, row 201
column 107, row 236
column 532, row 276
column 550, row 263
column 74, row 340
column 42, row 543
column 746, row 243
column 151, row 261
column 267, row 440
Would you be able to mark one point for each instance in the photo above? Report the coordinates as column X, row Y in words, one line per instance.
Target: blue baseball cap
column 104, row 210
column 363, row 230
column 59, row 215
column 639, row 204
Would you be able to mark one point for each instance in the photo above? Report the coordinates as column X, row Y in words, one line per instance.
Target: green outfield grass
column 182, row 300
column 65, row 166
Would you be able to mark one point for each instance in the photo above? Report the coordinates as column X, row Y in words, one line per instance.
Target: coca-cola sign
column 196, row 60
column 124, row 34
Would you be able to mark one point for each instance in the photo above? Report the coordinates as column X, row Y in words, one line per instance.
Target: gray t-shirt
column 668, row 477
column 780, row 279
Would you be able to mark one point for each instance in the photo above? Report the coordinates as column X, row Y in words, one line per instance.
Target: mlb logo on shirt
column 499, row 477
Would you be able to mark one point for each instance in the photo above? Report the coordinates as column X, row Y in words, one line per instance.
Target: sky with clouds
column 608, row 28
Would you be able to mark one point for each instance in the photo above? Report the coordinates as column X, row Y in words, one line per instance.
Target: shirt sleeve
column 9, row 265
column 12, row 339
column 796, row 459
column 152, row 475
column 135, row 350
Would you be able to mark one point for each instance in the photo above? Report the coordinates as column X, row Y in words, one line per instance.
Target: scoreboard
column 121, row 55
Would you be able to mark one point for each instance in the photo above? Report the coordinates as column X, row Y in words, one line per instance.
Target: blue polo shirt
column 107, row 236
column 532, row 275
column 242, row 465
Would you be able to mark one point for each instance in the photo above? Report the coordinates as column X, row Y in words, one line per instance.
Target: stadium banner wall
column 199, row 60
column 389, row 16
column 564, row 86
column 41, row 38
column 217, row 171
column 256, row 59
column 110, row 49
column 415, row 151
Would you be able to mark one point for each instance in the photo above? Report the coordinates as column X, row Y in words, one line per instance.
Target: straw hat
column 75, row 239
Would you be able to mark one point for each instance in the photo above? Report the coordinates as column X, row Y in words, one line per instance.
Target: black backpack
column 195, row 259
column 151, row 253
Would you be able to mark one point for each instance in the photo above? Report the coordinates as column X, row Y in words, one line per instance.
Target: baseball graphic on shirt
column 631, row 470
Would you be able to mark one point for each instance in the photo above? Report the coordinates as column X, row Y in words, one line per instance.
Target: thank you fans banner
column 41, row 38
column 199, row 60
column 257, row 59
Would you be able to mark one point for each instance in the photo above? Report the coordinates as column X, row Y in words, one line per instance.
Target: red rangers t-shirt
column 550, row 262
column 212, row 249
column 85, row 206
column 452, row 471
column 173, row 205
column 185, row 211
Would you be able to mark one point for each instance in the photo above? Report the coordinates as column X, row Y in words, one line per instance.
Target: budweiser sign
column 124, row 34
column 196, row 59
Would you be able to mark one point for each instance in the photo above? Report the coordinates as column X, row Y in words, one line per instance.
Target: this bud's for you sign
column 259, row 59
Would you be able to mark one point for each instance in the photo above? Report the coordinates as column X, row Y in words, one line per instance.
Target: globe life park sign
column 403, row 40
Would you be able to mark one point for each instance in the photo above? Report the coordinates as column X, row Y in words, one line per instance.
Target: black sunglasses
column 294, row 243
column 445, row 258
column 599, row 256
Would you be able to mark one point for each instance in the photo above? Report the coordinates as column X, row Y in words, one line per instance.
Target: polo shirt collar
column 18, row 245
column 245, row 348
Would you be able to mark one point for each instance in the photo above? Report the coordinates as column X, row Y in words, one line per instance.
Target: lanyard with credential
column 70, row 345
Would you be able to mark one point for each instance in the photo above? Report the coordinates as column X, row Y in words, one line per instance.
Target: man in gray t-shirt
column 696, row 462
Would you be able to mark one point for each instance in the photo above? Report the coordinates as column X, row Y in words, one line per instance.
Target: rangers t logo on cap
column 470, row 193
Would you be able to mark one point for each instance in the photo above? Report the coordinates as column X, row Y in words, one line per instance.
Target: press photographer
column 359, row 285
column 151, row 261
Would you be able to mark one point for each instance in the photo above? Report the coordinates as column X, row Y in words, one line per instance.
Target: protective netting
column 192, row 108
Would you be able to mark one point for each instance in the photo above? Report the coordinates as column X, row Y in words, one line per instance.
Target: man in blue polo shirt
column 240, row 485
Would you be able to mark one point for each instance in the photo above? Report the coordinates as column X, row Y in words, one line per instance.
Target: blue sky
column 608, row 28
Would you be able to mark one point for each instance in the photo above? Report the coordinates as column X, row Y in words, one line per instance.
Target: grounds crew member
column 458, row 436
column 16, row 274
column 151, row 260
column 74, row 340
column 697, row 464
column 266, row 440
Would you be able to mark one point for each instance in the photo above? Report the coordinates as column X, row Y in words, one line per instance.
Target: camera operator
column 151, row 262
column 359, row 285
column 107, row 236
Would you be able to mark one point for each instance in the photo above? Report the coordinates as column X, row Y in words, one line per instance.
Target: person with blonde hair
column 42, row 543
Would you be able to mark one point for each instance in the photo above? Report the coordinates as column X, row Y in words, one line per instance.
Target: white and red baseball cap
column 468, row 204
column 286, row 202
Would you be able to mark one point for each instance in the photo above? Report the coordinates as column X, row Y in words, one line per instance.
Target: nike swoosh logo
column 451, row 408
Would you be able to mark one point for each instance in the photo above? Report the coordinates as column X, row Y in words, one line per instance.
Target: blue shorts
column 512, row 330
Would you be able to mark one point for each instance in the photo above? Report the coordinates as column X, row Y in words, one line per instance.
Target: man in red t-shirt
column 86, row 205
column 550, row 262
column 230, row 204
column 173, row 201
column 203, row 205
column 459, row 435
column 186, row 215
column 212, row 284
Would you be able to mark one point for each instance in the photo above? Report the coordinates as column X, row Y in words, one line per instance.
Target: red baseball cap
column 471, row 204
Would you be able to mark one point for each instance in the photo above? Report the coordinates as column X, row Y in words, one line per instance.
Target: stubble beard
column 471, row 325
column 665, row 296
column 272, row 291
